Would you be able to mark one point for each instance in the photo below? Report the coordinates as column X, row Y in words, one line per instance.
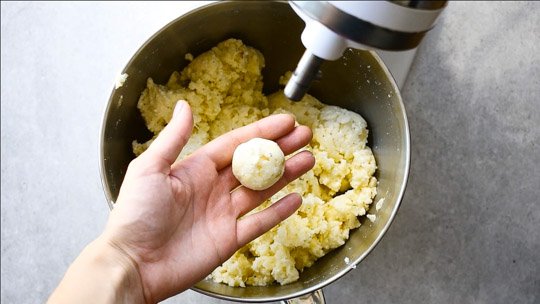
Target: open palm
column 179, row 220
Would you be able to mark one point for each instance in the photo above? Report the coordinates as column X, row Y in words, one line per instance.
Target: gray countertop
column 468, row 230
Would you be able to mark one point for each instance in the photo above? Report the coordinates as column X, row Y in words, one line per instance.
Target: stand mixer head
column 334, row 26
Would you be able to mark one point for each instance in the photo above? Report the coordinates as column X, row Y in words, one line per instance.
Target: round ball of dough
column 258, row 163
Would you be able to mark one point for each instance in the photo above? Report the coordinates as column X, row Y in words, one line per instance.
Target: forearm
column 101, row 274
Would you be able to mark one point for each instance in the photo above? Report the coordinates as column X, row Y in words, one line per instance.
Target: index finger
column 221, row 149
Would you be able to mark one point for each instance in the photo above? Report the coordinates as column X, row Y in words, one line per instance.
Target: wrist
column 101, row 274
column 120, row 268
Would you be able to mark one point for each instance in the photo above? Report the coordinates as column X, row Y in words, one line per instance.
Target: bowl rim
column 352, row 264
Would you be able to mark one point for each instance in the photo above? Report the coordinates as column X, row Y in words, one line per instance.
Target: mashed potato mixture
column 224, row 88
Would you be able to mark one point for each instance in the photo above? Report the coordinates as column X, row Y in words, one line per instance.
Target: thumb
column 175, row 135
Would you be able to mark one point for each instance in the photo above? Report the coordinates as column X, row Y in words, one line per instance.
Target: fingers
column 254, row 225
column 289, row 143
column 220, row 150
column 175, row 135
column 298, row 138
column 245, row 200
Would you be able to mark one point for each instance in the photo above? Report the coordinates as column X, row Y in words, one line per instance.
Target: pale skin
column 176, row 221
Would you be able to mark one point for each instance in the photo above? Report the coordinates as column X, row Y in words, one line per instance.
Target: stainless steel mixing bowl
column 359, row 82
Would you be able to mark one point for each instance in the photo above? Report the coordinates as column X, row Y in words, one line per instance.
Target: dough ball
column 258, row 163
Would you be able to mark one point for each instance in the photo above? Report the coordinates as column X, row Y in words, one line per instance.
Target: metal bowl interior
column 359, row 82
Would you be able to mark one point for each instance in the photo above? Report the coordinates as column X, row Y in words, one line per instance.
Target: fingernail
column 178, row 108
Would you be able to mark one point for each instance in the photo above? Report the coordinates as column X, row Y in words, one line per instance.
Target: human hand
column 178, row 220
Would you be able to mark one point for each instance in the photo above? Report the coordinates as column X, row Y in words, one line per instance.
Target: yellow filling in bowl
column 224, row 89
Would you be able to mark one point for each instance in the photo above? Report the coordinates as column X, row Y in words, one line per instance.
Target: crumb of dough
column 379, row 204
column 120, row 80
column 372, row 217
column 258, row 163
column 224, row 88
column 188, row 57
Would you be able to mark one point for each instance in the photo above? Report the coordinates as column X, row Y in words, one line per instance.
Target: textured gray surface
column 469, row 227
